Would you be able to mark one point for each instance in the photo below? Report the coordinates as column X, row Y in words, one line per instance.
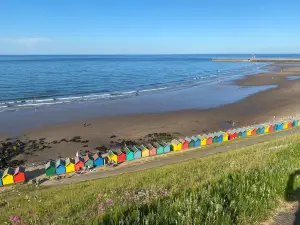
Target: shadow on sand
column 293, row 195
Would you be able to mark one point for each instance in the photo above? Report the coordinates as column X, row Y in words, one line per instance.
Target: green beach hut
column 191, row 142
column 214, row 137
column 129, row 153
column 159, row 148
column 50, row 169
column 88, row 161
column 1, row 174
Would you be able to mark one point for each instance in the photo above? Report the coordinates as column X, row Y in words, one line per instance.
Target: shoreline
column 279, row 101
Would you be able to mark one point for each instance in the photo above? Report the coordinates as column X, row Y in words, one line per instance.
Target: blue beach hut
column 295, row 123
column 137, row 152
column 196, row 140
column 243, row 132
column 60, row 166
column 262, row 129
column 219, row 137
column 98, row 160
column 1, row 174
column 167, row 147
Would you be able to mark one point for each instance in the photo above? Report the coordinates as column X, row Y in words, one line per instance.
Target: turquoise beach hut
column 129, row 153
column 295, row 123
column 220, row 137
column 60, row 166
column 196, row 140
column 159, row 148
column 1, row 174
column 166, row 146
column 137, row 152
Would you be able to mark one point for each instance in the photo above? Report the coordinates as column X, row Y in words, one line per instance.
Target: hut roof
column 150, row 146
column 175, row 142
column 194, row 138
column 87, row 157
column 156, row 145
column 163, row 143
column 118, row 151
column 60, row 162
column 78, row 159
column 97, row 155
column 19, row 169
column 127, row 150
column 9, row 171
column 70, row 160
column 188, row 139
column 135, row 149
column 182, row 140
column 143, row 147
column 201, row 137
column 111, row 153
column 49, row 164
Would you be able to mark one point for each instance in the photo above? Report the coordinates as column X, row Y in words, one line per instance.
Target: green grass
column 239, row 187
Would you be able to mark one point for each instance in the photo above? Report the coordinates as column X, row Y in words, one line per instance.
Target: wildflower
column 99, row 195
column 109, row 201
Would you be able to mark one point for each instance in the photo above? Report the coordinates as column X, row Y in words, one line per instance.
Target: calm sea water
column 34, row 81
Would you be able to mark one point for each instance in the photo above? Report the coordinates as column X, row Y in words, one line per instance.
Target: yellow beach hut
column 202, row 139
column 225, row 136
column 112, row 157
column 70, row 165
column 286, row 125
column 267, row 128
column 145, row 151
column 8, row 176
column 249, row 131
column 176, row 145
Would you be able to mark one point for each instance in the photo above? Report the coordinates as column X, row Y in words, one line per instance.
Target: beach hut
column 129, row 153
column 166, row 146
column 253, row 132
column 249, row 131
column 232, row 134
column 220, row 137
column 19, row 175
column 225, row 136
column 145, row 151
column 190, row 141
column 112, row 157
column 271, row 128
column 244, row 132
column 79, row 163
column 176, row 145
column 152, row 150
column 60, row 166
column 202, row 140
column 159, row 148
column 98, row 159
column 137, row 152
column 290, row 124
column 8, row 176
column 295, row 123
column 121, row 155
column 70, row 165
column 197, row 141
column 88, row 161
column 214, row 138
column 50, row 169
column 208, row 139
column 1, row 174
column 267, row 128
column 286, row 125
column 184, row 143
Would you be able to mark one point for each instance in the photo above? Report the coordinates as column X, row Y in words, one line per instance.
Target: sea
column 34, row 81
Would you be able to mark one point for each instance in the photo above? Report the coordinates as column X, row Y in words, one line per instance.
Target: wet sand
column 279, row 101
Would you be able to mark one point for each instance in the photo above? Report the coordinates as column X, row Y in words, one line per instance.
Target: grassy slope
column 239, row 187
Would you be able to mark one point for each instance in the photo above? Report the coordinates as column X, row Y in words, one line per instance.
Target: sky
column 149, row 26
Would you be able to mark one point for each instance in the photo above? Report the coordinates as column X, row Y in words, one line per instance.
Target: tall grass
column 239, row 187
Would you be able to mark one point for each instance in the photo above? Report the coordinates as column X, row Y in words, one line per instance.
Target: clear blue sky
column 149, row 26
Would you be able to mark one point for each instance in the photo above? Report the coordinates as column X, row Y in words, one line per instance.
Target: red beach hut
column 152, row 149
column 185, row 143
column 253, row 131
column 19, row 175
column 79, row 164
column 271, row 127
column 121, row 155
column 231, row 134
column 290, row 124
column 208, row 139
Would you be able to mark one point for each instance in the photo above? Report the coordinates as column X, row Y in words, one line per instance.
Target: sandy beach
column 279, row 102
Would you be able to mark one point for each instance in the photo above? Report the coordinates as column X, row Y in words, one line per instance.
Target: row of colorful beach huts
column 79, row 163
column 134, row 152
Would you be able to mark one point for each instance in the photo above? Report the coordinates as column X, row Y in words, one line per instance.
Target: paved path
column 173, row 158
